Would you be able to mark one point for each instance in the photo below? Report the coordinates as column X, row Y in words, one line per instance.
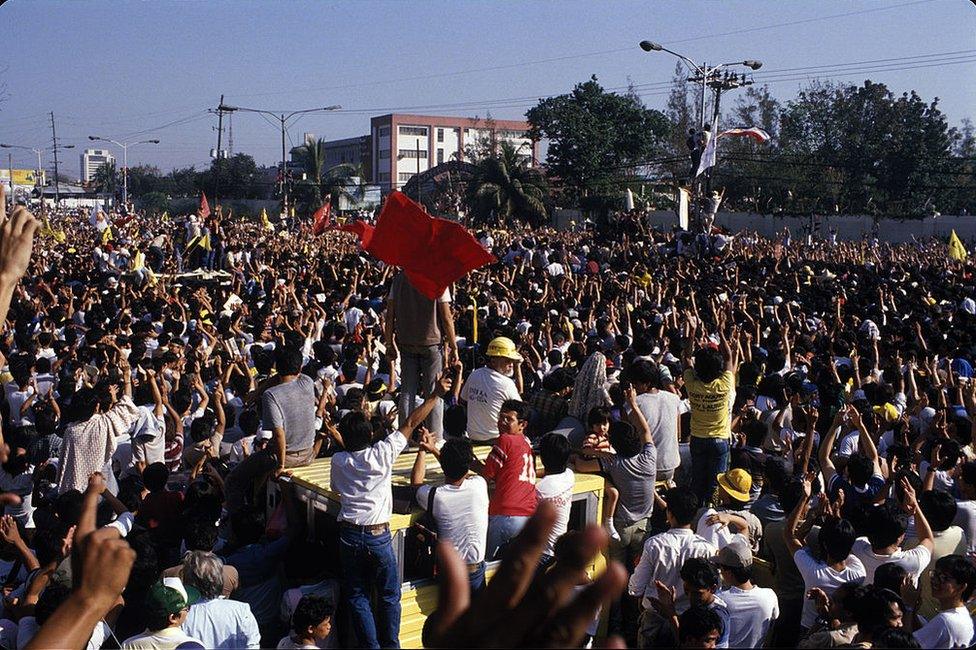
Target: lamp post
column 283, row 121
column 36, row 152
column 706, row 75
column 125, row 162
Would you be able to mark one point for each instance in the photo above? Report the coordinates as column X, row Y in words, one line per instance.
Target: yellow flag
column 956, row 250
column 59, row 236
column 165, row 216
column 265, row 222
column 138, row 260
column 106, row 234
column 205, row 242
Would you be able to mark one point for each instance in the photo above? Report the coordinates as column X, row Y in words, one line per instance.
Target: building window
column 384, row 131
column 440, row 156
column 384, row 154
column 384, row 177
column 440, row 135
column 405, row 176
column 413, row 130
column 413, row 153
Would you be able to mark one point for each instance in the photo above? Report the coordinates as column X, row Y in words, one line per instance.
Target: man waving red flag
column 433, row 252
column 321, row 218
column 204, row 209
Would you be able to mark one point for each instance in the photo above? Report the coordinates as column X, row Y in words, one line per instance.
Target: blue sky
column 123, row 69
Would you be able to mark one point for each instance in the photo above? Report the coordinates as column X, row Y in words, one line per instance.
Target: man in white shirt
column 838, row 566
column 666, row 552
column 752, row 609
column 460, row 505
column 556, row 487
column 215, row 621
column 361, row 476
column 166, row 606
column 662, row 410
column 488, row 387
column 885, row 533
column 953, row 581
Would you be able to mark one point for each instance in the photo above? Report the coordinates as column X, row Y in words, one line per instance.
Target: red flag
column 433, row 252
column 321, row 218
column 204, row 209
column 361, row 229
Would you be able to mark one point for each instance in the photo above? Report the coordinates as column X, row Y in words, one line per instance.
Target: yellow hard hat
column 503, row 347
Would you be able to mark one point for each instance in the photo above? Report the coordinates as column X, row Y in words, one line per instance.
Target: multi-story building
column 403, row 145
column 91, row 160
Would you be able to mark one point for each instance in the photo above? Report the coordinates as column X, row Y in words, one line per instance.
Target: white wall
column 848, row 226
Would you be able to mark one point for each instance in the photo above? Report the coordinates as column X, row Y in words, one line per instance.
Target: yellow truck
column 419, row 593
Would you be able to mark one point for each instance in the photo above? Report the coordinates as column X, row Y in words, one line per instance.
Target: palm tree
column 505, row 187
column 105, row 179
column 312, row 155
column 344, row 179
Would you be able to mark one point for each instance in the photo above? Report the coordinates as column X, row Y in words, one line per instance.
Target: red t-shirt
column 511, row 465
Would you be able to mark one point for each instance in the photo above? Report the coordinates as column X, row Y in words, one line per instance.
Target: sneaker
column 613, row 531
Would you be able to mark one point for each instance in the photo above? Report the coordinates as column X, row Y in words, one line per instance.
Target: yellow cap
column 503, row 347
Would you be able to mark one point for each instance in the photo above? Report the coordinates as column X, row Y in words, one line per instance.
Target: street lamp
column 37, row 152
column 282, row 119
column 704, row 72
column 125, row 161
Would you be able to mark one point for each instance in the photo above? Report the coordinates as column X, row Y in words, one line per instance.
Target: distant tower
column 230, row 134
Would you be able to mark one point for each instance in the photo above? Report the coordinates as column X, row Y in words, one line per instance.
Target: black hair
column 700, row 573
column 894, row 637
column 47, row 544
column 288, row 360
column 871, row 607
column 968, row 473
column 884, row 526
column 625, row 439
column 155, row 476
column 890, row 575
column 683, row 505
column 518, row 407
column 68, row 507
column 456, row 457
column 709, row 364
column 859, row 469
column 939, row 509
column 598, row 415
column 644, row 372
column 84, row 402
column 200, row 534
column 961, row 570
column 356, row 431
column 310, row 612
column 755, row 431
column 836, row 539
column 554, row 451
column 55, row 593
column 697, row 622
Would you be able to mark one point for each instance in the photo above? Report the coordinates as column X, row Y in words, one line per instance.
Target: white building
column 91, row 160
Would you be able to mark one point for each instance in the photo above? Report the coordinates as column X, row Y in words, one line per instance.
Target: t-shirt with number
column 511, row 465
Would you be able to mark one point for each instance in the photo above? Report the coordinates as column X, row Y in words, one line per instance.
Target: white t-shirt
column 363, row 481
column 16, row 399
column 818, row 574
column 952, row 628
column 485, row 391
column 558, row 490
column 461, row 512
column 966, row 519
column 848, row 445
column 913, row 561
column 751, row 612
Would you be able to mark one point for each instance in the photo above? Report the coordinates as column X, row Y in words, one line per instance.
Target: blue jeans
column 501, row 530
column 709, row 458
column 418, row 374
column 368, row 562
column 476, row 578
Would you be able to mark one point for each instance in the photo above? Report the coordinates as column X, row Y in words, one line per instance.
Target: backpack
column 420, row 544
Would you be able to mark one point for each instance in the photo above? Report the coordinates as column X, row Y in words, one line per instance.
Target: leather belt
column 372, row 529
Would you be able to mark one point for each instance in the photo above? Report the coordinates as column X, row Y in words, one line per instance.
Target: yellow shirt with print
column 711, row 415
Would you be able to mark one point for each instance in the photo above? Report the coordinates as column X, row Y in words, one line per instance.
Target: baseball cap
column 170, row 596
column 735, row 555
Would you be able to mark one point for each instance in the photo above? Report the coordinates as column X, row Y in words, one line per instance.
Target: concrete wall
column 848, row 226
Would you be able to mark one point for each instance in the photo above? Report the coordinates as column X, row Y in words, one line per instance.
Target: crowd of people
column 784, row 430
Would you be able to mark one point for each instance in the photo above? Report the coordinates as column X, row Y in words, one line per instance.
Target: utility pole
column 728, row 81
column 284, row 182
column 57, row 179
column 230, row 132
column 217, row 163
column 418, row 174
column 10, row 170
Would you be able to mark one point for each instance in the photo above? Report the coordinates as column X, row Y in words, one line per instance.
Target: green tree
column 153, row 202
column 181, row 182
column 105, row 180
column 144, row 179
column 237, row 175
column 312, row 155
column 505, row 188
column 596, row 138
